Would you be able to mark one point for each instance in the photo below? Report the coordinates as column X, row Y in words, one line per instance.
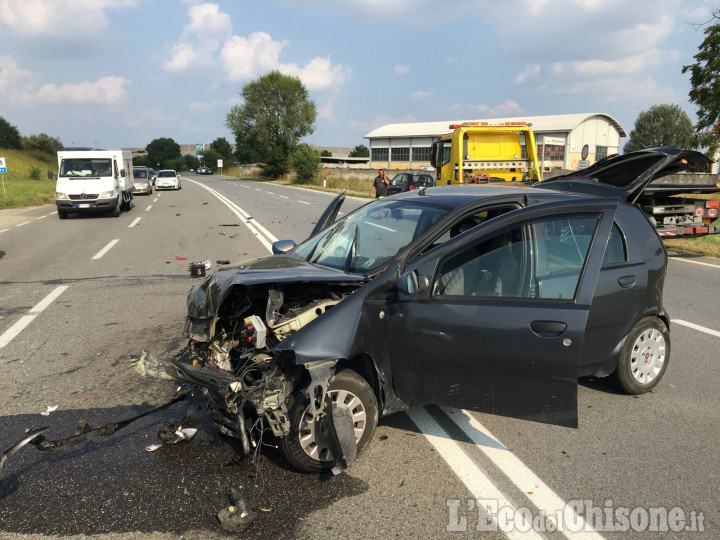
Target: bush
column 305, row 161
column 34, row 173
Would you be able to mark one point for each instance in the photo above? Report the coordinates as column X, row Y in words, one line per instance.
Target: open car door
column 494, row 319
column 329, row 216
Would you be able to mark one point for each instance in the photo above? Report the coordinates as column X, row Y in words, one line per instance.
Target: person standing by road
column 380, row 185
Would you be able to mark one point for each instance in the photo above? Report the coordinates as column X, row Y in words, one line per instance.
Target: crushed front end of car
column 236, row 318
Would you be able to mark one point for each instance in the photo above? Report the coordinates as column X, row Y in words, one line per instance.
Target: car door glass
column 542, row 258
column 615, row 252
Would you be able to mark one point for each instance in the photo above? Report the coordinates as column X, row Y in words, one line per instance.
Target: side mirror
column 413, row 283
column 282, row 246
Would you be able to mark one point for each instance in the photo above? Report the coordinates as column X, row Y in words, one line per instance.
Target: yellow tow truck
column 485, row 152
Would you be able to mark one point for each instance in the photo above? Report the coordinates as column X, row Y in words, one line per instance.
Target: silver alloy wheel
column 314, row 441
column 648, row 356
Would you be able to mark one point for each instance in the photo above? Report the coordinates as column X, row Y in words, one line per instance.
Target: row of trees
column 10, row 138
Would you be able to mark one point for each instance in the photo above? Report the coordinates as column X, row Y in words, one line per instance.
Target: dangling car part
column 83, row 432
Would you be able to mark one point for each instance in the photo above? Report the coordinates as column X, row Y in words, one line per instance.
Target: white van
column 94, row 181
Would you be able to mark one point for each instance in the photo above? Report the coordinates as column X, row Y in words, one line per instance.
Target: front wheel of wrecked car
column 644, row 357
column 308, row 445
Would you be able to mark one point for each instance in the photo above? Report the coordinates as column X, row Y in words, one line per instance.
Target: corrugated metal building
column 560, row 139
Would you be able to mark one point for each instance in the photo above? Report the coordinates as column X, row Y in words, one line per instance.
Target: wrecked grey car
column 488, row 298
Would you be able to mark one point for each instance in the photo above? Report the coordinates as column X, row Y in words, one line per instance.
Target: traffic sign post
column 3, row 170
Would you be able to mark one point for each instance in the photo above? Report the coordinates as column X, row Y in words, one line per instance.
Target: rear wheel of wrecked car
column 307, row 446
column 644, row 357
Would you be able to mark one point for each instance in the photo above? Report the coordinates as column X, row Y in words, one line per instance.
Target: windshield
column 140, row 173
column 370, row 236
column 86, row 167
column 166, row 174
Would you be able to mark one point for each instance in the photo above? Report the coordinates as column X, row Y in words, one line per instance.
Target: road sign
column 557, row 141
column 199, row 148
column 219, row 164
column 3, row 168
column 583, row 164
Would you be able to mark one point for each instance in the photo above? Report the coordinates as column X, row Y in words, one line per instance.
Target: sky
column 120, row 73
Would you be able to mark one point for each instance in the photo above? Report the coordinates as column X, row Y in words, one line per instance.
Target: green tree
column 662, row 125
column 360, row 151
column 326, row 153
column 224, row 149
column 305, row 161
column 42, row 142
column 162, row 150
column 142, row 160
column 210, row 159
column 247, row 149
column 9, row 135
column 276, row 113
column 191, row 162
column 705, row 87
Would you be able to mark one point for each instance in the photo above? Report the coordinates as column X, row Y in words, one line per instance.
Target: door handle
column 627, row 281
column 548, row 328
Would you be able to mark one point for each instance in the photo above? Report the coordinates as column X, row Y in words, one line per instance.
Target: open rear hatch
column 630, row 173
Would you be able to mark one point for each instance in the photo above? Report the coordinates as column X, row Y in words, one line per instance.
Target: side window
column 469, row 221
column 615, row 252
column 445, row 152
column 542, row 258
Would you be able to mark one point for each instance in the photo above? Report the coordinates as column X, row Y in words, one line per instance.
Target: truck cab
column 484, row 152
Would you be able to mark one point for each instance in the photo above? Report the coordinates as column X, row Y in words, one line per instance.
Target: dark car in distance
column 204, row 170
column 489, row 298
column 409, row 182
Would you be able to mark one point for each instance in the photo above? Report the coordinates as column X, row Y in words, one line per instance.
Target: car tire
column 644, row 358
column 306, row 449
column 62, row 215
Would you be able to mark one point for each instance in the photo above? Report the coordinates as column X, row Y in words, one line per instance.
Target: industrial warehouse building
column 560, row 140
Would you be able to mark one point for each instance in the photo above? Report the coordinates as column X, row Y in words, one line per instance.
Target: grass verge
column 19, row 189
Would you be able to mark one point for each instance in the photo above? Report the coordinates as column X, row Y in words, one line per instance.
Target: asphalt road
column 74, row 310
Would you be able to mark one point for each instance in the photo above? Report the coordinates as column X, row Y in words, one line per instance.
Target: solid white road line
column 696, row 326
column 526, row 480
column 694, row 262
column 4, row 230
column 284, row 197
column 18, row 327
column 465, row 468
column 135, row 222
column 148, row 207
column 262, row 234
column 303, row 202
column 107, row 248
column 41, row 217
column 21, row 224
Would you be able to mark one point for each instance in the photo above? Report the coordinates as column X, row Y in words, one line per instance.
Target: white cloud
column 21, row 86
column 245, row 58
column 181, row 56
column 108, row 90
column 319, row 73
column 420, row 94
column 528, row 73
column 59, row 18
column 402, row 70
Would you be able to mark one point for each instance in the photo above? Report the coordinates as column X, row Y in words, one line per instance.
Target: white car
column 167, row 179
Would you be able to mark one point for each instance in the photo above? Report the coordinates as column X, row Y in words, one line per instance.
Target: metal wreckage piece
column 84, row 432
